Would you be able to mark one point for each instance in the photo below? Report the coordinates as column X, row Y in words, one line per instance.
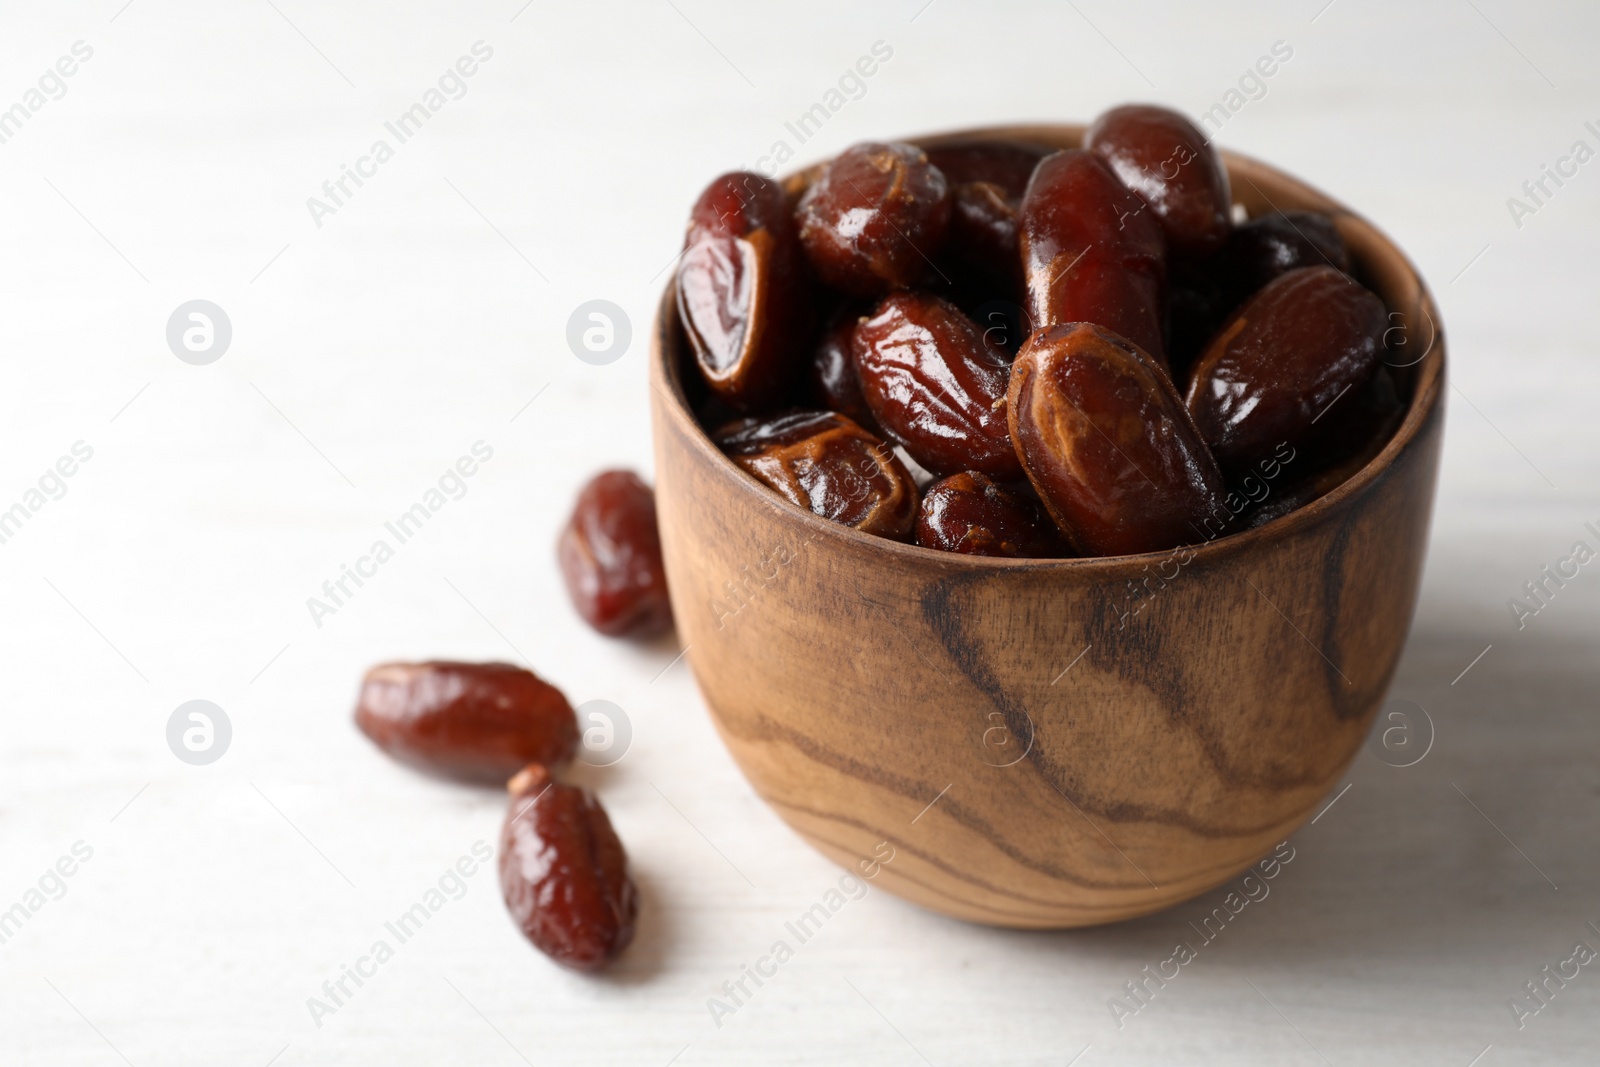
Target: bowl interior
column 1415, row 358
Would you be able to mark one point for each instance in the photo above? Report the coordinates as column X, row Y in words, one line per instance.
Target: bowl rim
column 1427, row 392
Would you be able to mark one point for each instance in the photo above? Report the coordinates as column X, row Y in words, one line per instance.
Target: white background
column 369, row 353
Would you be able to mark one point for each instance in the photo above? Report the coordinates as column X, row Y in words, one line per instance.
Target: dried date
column 875, row 218
column 742, row 290
column 1108, row 445
column 824, row 462
column 1289, row 353
column 936, row 385
column 1167, row 161
column 969, row 514
column 480, row 721
column 1092, row 251
column 610, row 556
column 564, row 874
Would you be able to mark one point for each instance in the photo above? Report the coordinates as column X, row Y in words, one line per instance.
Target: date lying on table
column 481, row 721
column 1175, row 347
column 563, row 872
column 610, row 555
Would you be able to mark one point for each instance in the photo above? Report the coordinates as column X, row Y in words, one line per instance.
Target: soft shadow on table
column 1452, row 864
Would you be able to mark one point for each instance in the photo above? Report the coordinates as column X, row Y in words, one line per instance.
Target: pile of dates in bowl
column 997, row 348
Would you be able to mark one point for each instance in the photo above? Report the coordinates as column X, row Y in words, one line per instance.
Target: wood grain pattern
column 1091, row 762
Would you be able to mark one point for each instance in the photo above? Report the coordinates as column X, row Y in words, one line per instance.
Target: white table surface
column 372, row 351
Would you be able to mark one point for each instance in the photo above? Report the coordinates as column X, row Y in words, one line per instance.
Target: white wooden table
column 376, row 339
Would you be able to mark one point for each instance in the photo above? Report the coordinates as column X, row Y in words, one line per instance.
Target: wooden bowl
column 1031, row 751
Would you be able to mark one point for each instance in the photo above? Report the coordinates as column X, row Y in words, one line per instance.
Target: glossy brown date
column 742, row 290
column 1108, row 445
column 832, row 380
column 969, row 514
column 1290, row 352
column 875, row 218
column 1167, row 161
column 824, row 462
column 1092, row 251
column 564, row 874
column 610, row 556
column 480, row 721
column 936, row 385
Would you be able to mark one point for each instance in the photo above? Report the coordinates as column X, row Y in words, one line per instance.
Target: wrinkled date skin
column 968, row 513
column 824, row 462
column 1092, row 251
column 832, row 381
column 477, row 721
column 610, row 555
column 742, row 290
column 563, row 872
column 1292, row 350
column 936, row 385
column 1108, row 445
column 1167, row 161
column 987, row 180
column 875, row 218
